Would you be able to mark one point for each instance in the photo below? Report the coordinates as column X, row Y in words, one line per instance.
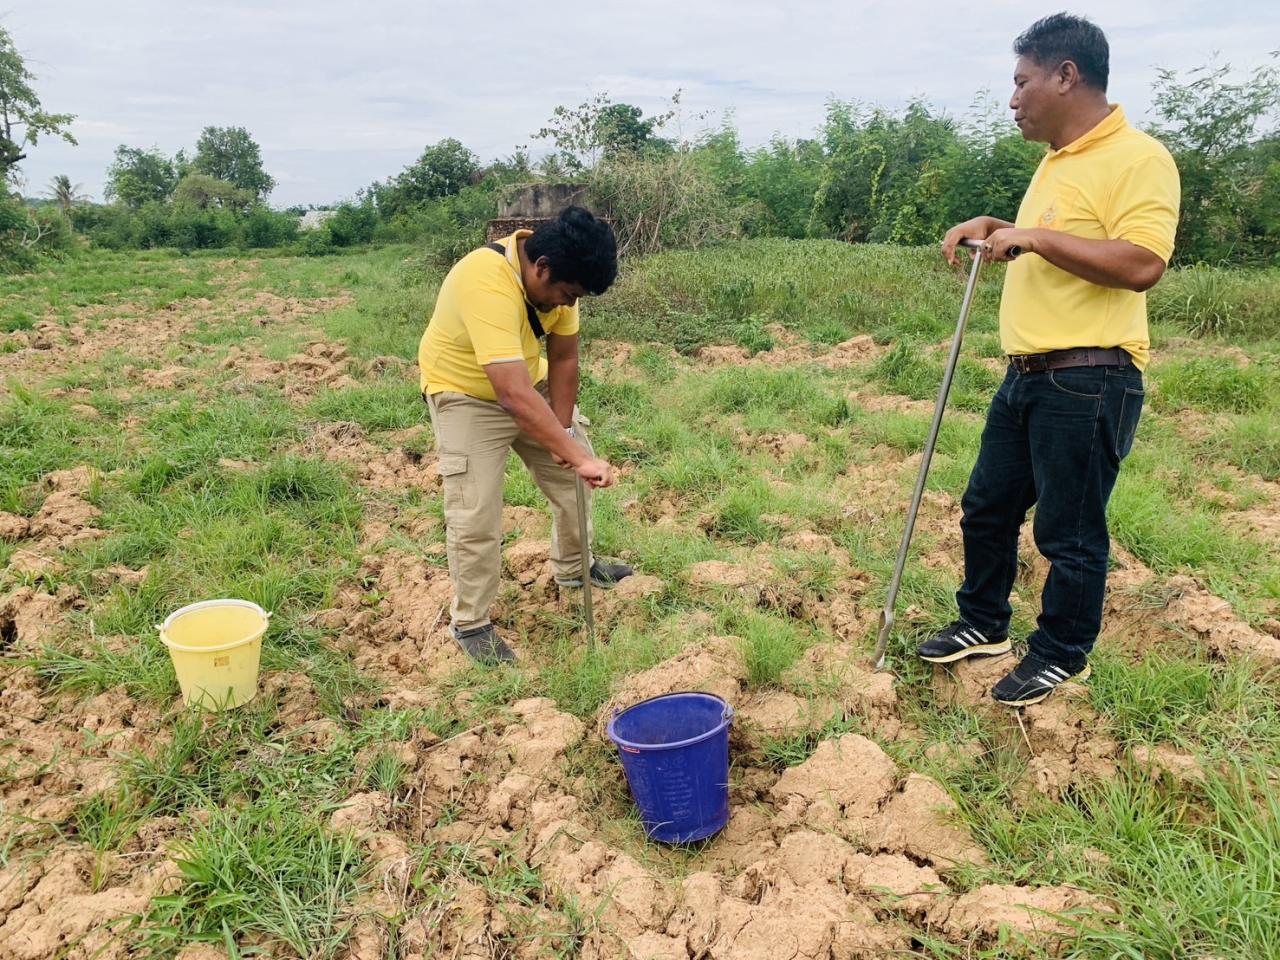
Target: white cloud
column 340, row 94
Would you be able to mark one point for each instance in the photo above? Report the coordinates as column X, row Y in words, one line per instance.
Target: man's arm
column 1108, row 263
column 517, row 396
column 979, row 228
column 562, row 375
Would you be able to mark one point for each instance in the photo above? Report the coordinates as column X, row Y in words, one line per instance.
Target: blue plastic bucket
column 675, row 753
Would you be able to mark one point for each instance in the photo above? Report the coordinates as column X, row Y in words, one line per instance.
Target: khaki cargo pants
column 472, row 439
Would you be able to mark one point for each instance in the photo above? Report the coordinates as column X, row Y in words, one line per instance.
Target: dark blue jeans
column 1053, row 440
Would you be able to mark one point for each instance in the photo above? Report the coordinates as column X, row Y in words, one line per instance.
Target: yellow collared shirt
column 1113, row 183
column 480, row 318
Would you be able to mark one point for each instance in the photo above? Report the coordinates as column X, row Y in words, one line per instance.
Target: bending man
column 490, row 390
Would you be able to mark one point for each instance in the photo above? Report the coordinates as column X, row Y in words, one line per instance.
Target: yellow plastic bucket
column 215, row 646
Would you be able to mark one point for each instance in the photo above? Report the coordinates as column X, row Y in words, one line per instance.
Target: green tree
column 443, row 170
column 1264, row 212
column 783, row 179
column 22, row 118
column 65, row 193
column 230, row 154
column 599, row 129
column 1209, row 121
column 873, row 159
column 984, row 170
column 352, row 224
column 139, row 176
column 623, row 129
column 201, row 191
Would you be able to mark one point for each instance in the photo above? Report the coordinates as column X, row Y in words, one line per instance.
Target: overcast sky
column 342, row 94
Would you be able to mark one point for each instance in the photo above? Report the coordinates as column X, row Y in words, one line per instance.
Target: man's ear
column 542, row 269
column 1067, row 75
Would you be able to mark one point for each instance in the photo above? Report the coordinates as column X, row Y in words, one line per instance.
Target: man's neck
column 522, row 258
column 1078, row 124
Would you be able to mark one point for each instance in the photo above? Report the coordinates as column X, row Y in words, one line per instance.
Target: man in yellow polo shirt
column 490, row 390
column 1094, row 233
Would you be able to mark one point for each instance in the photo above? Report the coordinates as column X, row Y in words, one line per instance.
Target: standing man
column 1094, row 232
column 490, row 390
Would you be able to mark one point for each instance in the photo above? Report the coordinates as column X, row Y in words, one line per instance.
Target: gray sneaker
column 603, row 575
column 483, row 645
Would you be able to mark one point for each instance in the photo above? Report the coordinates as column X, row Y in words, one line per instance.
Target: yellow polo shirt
column 1113, row 183
column 480, row 318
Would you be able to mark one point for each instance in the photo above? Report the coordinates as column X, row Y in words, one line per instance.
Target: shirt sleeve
column 565, row 323
column 492, row 317
column 1144, row 206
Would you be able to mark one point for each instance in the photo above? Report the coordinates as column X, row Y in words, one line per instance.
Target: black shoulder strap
column 534, row 323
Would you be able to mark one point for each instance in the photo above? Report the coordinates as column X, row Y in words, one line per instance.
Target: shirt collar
column 512, row 252
column 1114, row 121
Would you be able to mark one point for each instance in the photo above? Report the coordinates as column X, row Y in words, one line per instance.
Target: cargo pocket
column 459, row 488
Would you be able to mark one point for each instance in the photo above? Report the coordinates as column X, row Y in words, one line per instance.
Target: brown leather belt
column 1075, row 357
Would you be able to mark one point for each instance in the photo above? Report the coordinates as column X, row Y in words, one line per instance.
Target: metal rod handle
column 1014, row 252
column 886, row 616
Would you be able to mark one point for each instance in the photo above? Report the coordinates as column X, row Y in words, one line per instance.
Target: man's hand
column 596, row 472
column 559, row 460
column 1007, row 243
column 979, row 228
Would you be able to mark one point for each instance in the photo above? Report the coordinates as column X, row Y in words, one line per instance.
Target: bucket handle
column 725, row 714
column 160, row 627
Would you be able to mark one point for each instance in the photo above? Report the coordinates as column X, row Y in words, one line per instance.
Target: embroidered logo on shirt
column 1050, row 215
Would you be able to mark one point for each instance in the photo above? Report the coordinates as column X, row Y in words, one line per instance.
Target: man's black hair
column 580, row 248
column 1062, row 37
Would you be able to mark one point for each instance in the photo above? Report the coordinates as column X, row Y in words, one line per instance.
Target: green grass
column 1242, row 569
column 769, row 644
column 1253, row 445
column 795, row 393
column 910, row 368
column 1218, row 709
column 391, row 403
column 581, row 678
column 824, row 290
column 1211, row 302
column 1190, row 879
column 1191, row 869
column 268, row 869
column 1216, row 384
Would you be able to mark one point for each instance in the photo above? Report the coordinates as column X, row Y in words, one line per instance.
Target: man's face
column 547, row 294
column 1036, row 99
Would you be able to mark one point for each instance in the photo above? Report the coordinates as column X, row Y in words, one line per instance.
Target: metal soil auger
column 886, row 616
column 587, row 615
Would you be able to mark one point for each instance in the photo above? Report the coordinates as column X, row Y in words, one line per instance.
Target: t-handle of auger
column 886, row 616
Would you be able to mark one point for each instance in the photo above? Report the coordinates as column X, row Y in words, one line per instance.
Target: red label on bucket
column 629, row 749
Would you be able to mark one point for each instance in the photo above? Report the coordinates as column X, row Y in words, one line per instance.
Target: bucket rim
column 726, row 720
column 163, row 628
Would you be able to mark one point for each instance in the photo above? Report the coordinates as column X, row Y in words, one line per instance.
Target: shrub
column 264, row 227
column 26, row 235
column 351, row 224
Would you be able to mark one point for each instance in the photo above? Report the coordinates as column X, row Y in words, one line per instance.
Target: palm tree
column 64, row 193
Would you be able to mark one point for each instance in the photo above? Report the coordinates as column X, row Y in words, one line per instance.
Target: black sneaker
column 603, row 575
column 959, row 640
column 483, row 645
column 1033, row 679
